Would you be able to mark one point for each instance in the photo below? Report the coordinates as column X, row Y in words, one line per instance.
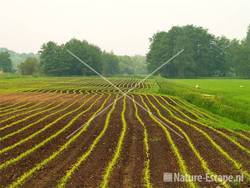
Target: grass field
column 226, row 97
column 131, row 144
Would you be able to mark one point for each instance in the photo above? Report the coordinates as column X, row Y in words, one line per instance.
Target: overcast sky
column 123, row 26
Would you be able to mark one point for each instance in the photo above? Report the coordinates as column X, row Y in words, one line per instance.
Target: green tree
column 220, row 55
column 110, row 64
column 29, row 67
column 5, row 62
column 202, row 56
column 241, row 56
column 125, row 64
column 242, row 66
column 139, row 63
column 56, row 60
column 132, row 64
column 233, row 56
column 247, row 40
column 90, row 54
column 51, row 59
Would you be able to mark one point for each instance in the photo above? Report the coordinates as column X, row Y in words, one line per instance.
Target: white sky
column 123, row 26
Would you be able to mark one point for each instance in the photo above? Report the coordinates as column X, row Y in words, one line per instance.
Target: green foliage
column 242, row 62
column 196, row 59
column 18, row 58
column 125, row 64
column 132, row 65
column 29, row 67
column 56, row 60
column 242, row 66
column 247, row 40
column 110, row 64
column 88, row 53
column 50, row 59
column 205, row 55
column 5, row 62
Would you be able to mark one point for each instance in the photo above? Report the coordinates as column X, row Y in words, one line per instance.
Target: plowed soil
column 129, row 168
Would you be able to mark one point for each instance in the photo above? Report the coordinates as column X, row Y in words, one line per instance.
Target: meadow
column 226, row 97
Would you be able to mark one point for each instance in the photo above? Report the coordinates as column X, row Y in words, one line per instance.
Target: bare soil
column 129, row 169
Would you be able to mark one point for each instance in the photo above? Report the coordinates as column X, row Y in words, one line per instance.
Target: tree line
column 55, row 60
column 204, row 55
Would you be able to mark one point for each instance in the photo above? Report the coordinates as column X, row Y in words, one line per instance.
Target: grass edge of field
column 200, row 103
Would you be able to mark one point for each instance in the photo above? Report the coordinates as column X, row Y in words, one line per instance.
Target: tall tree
column 132, row 64
column 241, row 57
column 29, row 67
column 202, row 56
column 88, row 53
column 5, row 62
column 248, row 37
column 110, row 64
column 51, row 59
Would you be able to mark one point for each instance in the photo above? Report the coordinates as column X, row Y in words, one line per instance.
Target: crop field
column 57, row 135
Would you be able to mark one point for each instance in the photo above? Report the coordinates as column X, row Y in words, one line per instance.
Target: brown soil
column 49, row 176
column 129, row 170
column 162, row 158
column 43, row 152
